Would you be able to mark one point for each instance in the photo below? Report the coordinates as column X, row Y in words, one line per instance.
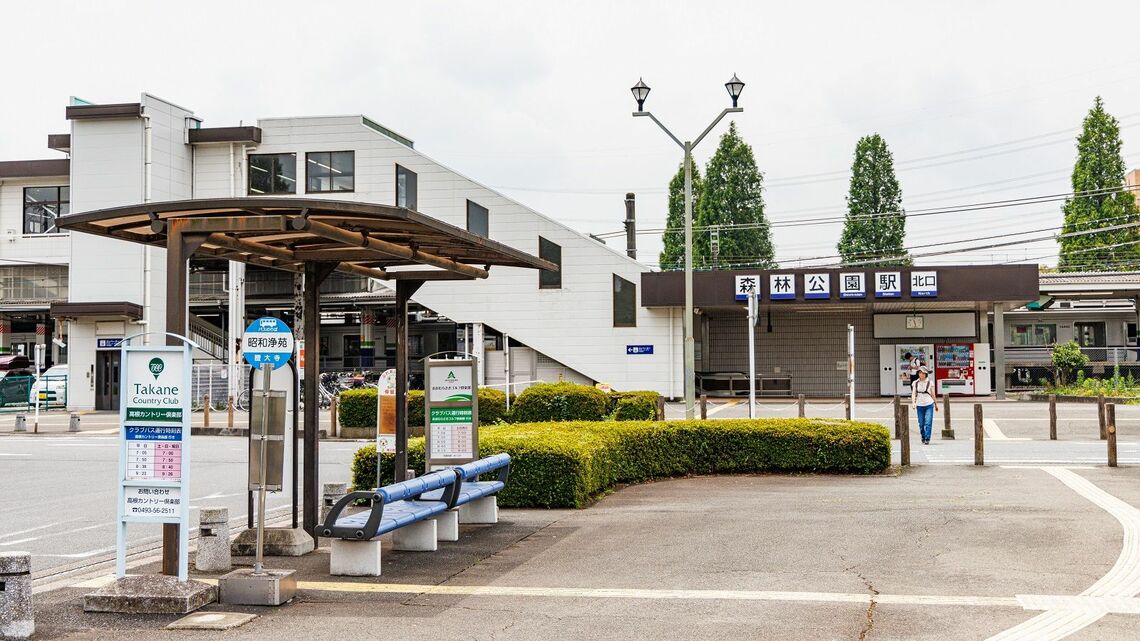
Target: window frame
column 616, row 293
column 59, row 203
column 249, row 174
column 544, row 274
column 412, row 179
column 330, row 164
column 486, row 219
column 1032, row 332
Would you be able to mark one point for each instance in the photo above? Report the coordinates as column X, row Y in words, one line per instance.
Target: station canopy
column 367, row 239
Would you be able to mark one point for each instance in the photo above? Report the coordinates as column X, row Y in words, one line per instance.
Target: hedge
column 560, row 402
column 634, row 406
column 357, row 408
column 558, row 465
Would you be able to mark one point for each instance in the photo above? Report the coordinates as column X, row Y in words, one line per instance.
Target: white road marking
column 723, row 406
column 992, row 430
column 19, row 541
column 38, row 528
column 12, row 454
column 1122, row 581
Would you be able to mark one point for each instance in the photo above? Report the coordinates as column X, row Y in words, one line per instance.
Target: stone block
column 354, row 558
column 332, row 493
column 279, row 541
column 213, row 553
column 150, row 594
column 447, row 526
column 17, row 618
column 212, row 621
column 271, row 587
column 416, row 537
column 484, row 511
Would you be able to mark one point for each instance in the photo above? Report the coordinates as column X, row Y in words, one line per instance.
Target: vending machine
column 894, row 366
column 954, row 368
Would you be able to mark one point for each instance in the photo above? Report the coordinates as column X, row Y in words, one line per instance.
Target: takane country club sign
column 155, row 394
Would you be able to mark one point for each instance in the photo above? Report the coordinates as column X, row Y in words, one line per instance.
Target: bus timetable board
column 154, row 443
column 451, row 411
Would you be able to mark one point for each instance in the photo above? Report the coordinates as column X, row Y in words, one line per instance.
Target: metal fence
column 212, row 378
column 16, row 392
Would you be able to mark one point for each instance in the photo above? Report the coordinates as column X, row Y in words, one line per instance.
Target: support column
column 404, row 291
column 367, row 339
column 179, row 248
column 999, row 350
column 315, row 274
column 477, row 349
column 5, row 332
column 236, row 324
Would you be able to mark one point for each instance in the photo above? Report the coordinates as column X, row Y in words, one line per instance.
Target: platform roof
column 368, row 239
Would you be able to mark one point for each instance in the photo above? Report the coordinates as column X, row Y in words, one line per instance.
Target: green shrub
column 635, row 408
column 1067, row 358
column 569, row 464
column 492, row 406
column 560, row 402
column 357, row 407
column 416, row 410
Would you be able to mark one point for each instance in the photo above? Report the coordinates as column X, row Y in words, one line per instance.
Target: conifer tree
column 1099, row 201
column 875, row 227
column 732, row 200
column 673, row 254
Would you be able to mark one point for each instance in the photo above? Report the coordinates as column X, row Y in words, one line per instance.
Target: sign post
column 851, row 370
column 451, row 410
column 154, row 443
column 752, row 304
column 40, row 349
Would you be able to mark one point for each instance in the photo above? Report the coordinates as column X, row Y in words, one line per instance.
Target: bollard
column 847, row 407
column 904, row 441
column 230, row 412
column 333, row 492
column 17, row 619
column 213, row 540
column 1100, row 415
column 1052, row 417
column 660, row 407
column 979, row 436
column 800, row 402
column 1110, row 433
column 73, row 425
column 206, row 411
column 898, row 418
column 332, row 416
column 21, row 423
column 704, row 406
column 947, row 430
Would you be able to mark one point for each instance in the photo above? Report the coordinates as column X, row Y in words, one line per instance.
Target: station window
column 406, row 188
column 42, row 208
column 625, row 303
column 553, row 253
column 1032, row 335
column 272, row 174
column 477, row 222
column 327, row 171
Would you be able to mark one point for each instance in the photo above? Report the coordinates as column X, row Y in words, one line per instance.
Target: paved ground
column 937, row 553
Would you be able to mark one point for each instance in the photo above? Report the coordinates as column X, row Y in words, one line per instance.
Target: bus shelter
column 313, row 237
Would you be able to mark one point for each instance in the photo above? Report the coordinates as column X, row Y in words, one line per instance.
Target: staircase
column 210, row 339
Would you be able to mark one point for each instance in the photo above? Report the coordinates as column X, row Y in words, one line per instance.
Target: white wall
column 18, row 247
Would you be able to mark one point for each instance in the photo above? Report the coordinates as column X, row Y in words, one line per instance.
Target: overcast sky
column 533, row 98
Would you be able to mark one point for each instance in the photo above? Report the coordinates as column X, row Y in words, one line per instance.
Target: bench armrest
column 330, row 529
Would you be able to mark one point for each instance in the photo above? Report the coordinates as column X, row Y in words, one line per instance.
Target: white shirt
column 922, row 392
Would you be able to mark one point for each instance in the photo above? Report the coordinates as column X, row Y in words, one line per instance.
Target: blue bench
column 419, row 512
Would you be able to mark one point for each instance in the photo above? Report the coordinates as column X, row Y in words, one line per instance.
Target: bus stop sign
column 267, row 340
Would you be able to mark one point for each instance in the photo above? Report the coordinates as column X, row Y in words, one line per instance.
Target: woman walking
column 924, row 396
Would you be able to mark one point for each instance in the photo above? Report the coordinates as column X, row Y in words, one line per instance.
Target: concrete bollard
column 704, row 406
column 213, row 540
column 1100, row 415
column 898, row 418
column 847, row 407
column 333, row 492
column 206, row 410
column 904, row 440
column 21, row 423
column 1052, row 417
column 17, row 619
column 332, row 416
column 73, row 424
column 1110, row 432
column 979, row 436
column 230, row 412
column 802, row 407
column 947, row 429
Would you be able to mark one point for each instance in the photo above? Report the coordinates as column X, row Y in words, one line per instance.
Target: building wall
column 23, row 248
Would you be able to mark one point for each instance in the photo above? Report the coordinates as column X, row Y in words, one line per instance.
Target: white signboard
column 154, row 442
column 450, row 382
column 747, row 284
column 782, row 286
column 888, row 284
column 817, row 286
column 923, row 284
column 853, row 285
column 452, row 408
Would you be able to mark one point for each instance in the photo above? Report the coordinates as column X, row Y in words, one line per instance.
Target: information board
column 154, row 442
column 451, row 411
column 267, row 340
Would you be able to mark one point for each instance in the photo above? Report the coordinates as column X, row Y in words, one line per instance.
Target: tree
column 673, row 255
column 1098, row 201
column 1068, row 359
column 875, row 227
column 733, row 201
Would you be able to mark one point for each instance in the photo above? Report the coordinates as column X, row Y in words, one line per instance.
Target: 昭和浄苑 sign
column 267, row 340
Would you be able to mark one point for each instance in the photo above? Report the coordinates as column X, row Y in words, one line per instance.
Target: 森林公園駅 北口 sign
column 451, row 411
column 154, row 442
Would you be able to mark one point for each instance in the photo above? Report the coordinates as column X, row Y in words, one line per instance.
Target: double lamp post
column 640, row 92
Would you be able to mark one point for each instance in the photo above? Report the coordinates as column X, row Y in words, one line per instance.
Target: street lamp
column 640, row 92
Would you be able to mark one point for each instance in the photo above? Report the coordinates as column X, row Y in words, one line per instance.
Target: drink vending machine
column 962, row 368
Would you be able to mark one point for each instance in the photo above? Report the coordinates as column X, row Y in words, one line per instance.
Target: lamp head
column 640, row 91
column 734, row 87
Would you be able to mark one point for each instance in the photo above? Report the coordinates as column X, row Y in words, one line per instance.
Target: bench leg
column 484, row 511
column 447, row 526
column 354, row 558
column 416, row 537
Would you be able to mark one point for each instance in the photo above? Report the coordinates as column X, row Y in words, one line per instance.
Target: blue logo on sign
column 638, row 349
column 267, row 340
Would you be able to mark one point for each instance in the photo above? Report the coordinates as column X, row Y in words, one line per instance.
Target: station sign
column 923, row 284
column 108, row 343
column 888, row 284
column 852, row 285
column 782, row 286
column 638, row 349
column 267, row 340
column 747, row 285
column 817, row 286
